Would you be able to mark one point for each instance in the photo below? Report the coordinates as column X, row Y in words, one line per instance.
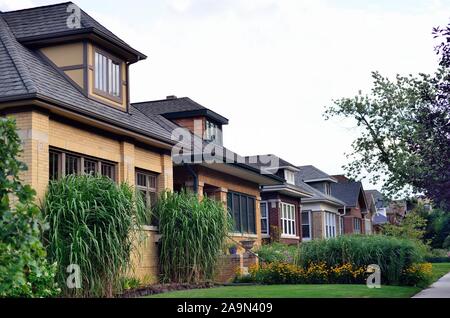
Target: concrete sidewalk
column 440, row 289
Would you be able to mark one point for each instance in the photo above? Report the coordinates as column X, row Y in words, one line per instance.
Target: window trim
column 357, row 222
column 307, row 238
column 62, row 154
column 266, row 204
column 290, row 221
column 105, row 94
column 217, row 129
column 147, row 188
column 330, row 224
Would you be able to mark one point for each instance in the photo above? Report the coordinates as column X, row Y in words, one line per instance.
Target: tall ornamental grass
column 393, row 255
column 193, row 236
column 93, row 223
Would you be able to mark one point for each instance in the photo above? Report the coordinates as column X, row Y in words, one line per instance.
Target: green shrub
column 277, row 252
column 24, row 270
column 93, row 223
column 393, row 255
column 417, row 275
column 193, row 236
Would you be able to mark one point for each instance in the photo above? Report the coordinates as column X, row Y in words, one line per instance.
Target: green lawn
column 306, row 291
column 439, row 270
column 294, row 291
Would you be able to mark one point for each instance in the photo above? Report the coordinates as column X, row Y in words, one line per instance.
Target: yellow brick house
column 68, row 89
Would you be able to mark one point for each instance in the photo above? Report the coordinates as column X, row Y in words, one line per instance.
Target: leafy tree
column 405, row 131
column 24, row 270
column 411, row 227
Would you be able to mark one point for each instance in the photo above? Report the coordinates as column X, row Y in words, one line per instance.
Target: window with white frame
column 306, row 225
column 356, row 225
column 264, row 218
column 107, row 75
column 289, row 176
column 341, row 225
column 288, row 219
column 330, row 225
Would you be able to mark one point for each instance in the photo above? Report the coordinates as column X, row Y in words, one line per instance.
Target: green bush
column 93, row 223
column 24, row 270
column 417, row 275
column 393, row 255
column 277, row 252
column 193, row 236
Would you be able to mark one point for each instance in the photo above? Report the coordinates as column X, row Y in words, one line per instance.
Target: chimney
column 171, row 97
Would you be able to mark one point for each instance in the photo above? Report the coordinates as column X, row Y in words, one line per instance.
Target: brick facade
column 39, row 132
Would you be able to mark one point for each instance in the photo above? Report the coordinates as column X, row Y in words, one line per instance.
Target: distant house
column 320, row 212
column 356, row 213
column 281, row 204
column 393, row 211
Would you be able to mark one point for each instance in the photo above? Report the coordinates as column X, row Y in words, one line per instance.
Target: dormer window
column 289, row 176
column 107, row 75
column 212, row 131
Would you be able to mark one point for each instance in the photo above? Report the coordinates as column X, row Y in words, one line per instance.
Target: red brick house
column 356, row 208
column 281, row 204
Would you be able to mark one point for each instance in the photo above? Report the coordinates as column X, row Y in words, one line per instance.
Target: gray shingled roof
column 347, row 192
column 258, row 164
column 172, row 106
column 310, row 172
column 26, row 74
column 317, row 195
column 50, row 21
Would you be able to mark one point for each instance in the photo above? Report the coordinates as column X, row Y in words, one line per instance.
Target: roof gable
column 310, row 173
column 30, row 26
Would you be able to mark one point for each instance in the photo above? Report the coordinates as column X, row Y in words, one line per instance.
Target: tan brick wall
column 145, row 258
column 38, row 132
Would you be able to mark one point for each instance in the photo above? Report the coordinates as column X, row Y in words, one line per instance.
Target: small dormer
column 90, row 56
column 188, row 114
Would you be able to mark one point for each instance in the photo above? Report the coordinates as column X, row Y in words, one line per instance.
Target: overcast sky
column 271, row 66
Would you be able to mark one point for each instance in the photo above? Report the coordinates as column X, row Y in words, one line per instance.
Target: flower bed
column 321, row 273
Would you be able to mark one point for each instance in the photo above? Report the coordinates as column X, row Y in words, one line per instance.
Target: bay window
column 264, row 218
column 306, row 225
column 330, row 225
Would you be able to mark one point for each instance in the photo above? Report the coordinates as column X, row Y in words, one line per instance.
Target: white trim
column 309, row 224
column 266, row 218
column 286, row 236
column 288, row 216
column 321, row 179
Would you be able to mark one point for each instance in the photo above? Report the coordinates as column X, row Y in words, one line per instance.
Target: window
column 327, row 189
column 330, row 225
column 356, row 225
column 54, row 167
column 264, row 218
column 107, row 75
column 212, row 132
column 288, row 219
column 306, row 225
column 289, row 176
column 64, row 163
column 341, row 225
column 146, row 185
column 242, row 209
